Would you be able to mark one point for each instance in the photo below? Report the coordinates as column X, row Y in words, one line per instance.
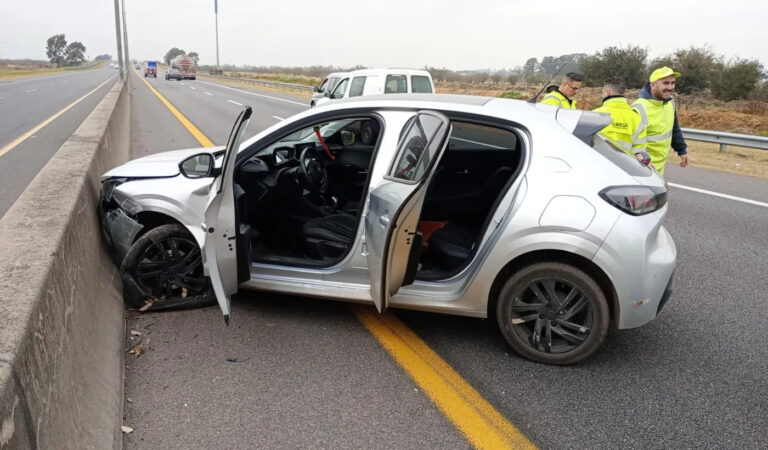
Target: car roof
column 385, row 71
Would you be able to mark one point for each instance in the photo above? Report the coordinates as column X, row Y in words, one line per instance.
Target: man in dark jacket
column 657, row 109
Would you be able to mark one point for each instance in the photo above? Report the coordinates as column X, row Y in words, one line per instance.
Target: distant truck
column 186, row 67
column 151, row 69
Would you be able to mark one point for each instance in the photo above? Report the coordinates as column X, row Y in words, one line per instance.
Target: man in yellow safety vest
column 562, row 96
column 657, row 108
column 627, row 131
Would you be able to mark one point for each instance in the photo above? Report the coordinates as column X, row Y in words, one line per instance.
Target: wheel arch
column 537, row 256
column 150, row 220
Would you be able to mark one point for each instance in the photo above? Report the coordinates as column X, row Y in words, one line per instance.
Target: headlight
column 125, row 203
column 108, row 186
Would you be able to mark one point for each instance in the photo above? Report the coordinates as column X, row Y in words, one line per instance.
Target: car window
column 332, row 82
column 414, row 156
column 323, row 86
column 421, row 84
column 356, row 87
column 396, row 84
column 340, row 89
column 619, row 157
column 469, row 136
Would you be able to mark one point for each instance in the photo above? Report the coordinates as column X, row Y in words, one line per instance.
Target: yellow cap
column 663, row 72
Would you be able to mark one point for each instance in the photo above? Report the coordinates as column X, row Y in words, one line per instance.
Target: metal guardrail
column 725, row 139
column 271, row 84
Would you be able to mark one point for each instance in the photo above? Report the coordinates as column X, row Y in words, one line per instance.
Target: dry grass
column 739, row 160
column 9, row 71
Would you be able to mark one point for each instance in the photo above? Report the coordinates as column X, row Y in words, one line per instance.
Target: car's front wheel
column 553, row 313
column 164, row 268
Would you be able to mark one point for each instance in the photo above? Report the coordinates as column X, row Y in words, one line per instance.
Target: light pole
column 216, row 14
column 125, row 43
column 119, row 45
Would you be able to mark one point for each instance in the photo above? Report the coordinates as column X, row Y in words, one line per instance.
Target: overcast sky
column 467, row 34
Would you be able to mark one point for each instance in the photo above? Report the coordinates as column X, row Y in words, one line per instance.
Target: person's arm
column 678, row 143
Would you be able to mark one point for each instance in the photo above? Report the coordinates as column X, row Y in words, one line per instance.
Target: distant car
column 150, row 72
column 137, row 67
column 173, row 74
column 473, row 206
column 325, row 88
column 380, row 81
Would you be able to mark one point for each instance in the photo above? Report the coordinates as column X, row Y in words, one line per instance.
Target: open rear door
column 220, row 247
column 395, row 205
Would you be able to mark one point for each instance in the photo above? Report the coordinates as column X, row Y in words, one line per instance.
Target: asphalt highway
column 29, row 102
column 313, row 376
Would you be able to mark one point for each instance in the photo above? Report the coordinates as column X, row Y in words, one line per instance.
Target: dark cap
column 574, row 76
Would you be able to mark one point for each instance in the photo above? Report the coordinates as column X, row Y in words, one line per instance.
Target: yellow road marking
column 34, row 130
column 197, row 134
column 482, row 425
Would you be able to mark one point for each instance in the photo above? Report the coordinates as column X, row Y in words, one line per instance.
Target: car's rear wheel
column 164, row 267
column 553, row 313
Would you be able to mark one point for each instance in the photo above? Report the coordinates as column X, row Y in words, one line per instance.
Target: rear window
column 627, row 163
column 420, row 84
column 356, row 88
column 396, row 84
column 469, row 136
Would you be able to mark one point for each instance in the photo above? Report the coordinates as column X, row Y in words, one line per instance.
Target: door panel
column 220, row 247
column 395, row 204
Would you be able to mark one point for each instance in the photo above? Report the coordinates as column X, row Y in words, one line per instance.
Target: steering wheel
column 312, row 173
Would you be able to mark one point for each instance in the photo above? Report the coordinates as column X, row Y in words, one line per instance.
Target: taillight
column 635, row 200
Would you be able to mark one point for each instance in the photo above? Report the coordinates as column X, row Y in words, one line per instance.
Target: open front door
column 392, row 221
column 220, row 247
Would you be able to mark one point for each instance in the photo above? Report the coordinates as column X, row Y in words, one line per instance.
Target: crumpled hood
column 165, row 164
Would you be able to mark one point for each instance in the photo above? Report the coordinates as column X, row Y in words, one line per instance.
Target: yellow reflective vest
column 627, row 131
column 556, row 98
column 660, row 118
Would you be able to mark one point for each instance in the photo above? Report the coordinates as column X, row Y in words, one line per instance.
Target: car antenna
column 535, row 97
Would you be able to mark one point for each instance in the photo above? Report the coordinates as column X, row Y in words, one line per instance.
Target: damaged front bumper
column 118, row 226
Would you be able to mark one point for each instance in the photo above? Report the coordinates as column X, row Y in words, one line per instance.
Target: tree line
column 62, row 54
column 703, row 71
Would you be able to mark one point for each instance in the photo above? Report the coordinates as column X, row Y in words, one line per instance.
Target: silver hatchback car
column 474, row 206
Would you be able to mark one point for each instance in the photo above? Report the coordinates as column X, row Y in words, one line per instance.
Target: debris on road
column 237, row 360
column 129, row 399
column 126, row 430
column 138, row 350
column 135, row 333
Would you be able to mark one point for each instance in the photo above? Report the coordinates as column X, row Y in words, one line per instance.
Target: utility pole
column 216, row 14
column 125, row 44
column 119, row 45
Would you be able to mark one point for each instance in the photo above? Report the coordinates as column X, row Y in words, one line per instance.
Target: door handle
column 385, row 220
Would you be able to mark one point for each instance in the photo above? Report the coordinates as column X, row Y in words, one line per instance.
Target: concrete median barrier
column 61, row 308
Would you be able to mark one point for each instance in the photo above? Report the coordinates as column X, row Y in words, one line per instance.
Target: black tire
column 164, row 266
column 559, row 303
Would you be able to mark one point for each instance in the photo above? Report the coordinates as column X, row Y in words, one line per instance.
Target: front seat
column 329, row 236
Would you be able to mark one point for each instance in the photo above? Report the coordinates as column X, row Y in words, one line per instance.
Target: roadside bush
column 737, row 80
column 627, row 62
column 512, row 94
column 697, row 65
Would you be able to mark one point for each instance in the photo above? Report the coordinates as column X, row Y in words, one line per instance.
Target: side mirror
column 197, row 166
column 317, row 88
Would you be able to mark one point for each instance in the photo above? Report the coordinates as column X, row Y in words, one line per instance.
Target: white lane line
column 253, row 93
column 30, row 90
column 236, row 103
column 717, row 194
column 478, row 143
column 208, row 93
column 278, row 118
column 193, row 88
